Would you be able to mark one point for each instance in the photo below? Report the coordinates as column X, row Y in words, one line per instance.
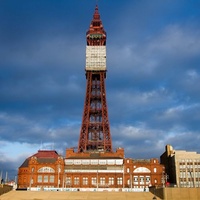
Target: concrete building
column 182, row 167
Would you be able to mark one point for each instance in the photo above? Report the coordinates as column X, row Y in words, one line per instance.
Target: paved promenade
column 46, row 195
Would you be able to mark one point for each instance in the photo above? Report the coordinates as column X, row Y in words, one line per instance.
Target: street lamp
column 58, row 175
column 131, row 181
column 31, row 177
column 164, row 179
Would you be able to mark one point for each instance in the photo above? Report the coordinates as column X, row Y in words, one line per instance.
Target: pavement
column 50, row 195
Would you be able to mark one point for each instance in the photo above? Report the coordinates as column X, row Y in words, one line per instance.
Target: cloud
column 21, row 129
column 152, row 78
column 139, row 141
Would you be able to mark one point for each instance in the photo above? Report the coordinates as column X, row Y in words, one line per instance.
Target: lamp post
column 58, row 174
column 164, row 179
column 97, row 177
column 131, row 181
column 32, row 170
column 123, row 176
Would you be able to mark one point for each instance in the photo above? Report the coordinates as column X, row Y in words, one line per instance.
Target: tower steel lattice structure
column 95, row 130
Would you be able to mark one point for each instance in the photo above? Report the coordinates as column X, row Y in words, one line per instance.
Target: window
column 119, row 181
column 111, row 181
column 85, row 181
column 197, row 174
column 135, row 179
column 68, row 181
column 96, row 23
column 141, row 179
column 102, row 181
column 155, row 170
column 94, row 180
column 182, row 174
column 46, row 179
column 51, row 179
column 76, row 181
column 127, row 170
column 39, row 179
column 46, row 170
column 148, row 179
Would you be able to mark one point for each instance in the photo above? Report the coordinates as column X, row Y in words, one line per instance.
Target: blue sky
column 152, row 80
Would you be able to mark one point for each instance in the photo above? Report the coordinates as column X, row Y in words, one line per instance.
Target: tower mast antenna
column 95, row 130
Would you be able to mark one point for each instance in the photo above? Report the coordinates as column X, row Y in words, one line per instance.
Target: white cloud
column 192, row 74
column 177, row 112
column 12, row 151
column 153, row 69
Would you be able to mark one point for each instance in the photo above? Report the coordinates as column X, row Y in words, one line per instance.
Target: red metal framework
column 96, row 27
column 95, row 130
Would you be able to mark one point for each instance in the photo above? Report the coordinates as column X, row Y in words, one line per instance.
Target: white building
column 182, row 167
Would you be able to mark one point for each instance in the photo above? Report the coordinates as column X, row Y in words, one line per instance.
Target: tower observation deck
column 95, row 129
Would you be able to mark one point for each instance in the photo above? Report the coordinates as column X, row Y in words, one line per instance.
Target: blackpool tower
column 95, row 166
column 95, row 129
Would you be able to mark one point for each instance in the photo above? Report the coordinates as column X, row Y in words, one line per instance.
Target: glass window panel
column 51, row 179
column 45, row 178
column 39, row 179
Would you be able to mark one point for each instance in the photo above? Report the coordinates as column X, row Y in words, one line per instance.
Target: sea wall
column 5, row 188
column 175, row 193
column 182, row 193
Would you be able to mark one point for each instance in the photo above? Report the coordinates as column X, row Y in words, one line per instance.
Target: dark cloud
column 152, row 79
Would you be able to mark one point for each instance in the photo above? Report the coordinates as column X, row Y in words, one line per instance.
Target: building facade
column 100, row 170
column 41, row 170
column 142, row 173
column 46, row 170
column 182, row 167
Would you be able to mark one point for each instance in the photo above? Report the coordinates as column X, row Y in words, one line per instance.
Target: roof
column 25, row 163
column 46, row 154
column 43, row 156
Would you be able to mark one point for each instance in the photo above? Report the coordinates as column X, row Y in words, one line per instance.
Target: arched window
column 141, row 169
column 128, row 170
column 46, row 170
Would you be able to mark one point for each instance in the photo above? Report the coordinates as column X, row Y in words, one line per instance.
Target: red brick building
column 100, row 170
column 97, row 170
column 43, row 169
